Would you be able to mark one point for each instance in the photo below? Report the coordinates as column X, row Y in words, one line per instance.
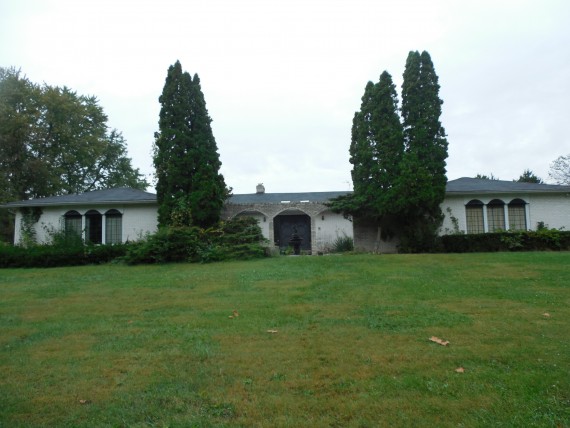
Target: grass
column 160, row 346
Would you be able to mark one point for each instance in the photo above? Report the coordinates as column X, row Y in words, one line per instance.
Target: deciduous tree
column 54, row 141
column 560, row 170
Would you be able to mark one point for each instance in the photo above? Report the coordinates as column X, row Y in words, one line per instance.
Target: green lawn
column 316, row 341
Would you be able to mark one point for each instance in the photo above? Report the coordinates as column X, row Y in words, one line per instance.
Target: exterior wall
column 326, row 226
column 552, row 209
column 329, row 226
column 137, row 220
column 367, row 238
column 455, row 206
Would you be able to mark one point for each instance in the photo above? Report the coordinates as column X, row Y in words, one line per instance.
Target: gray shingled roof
column 466, row 185
column 269, row 198
column 126, row 195
column 122, row 195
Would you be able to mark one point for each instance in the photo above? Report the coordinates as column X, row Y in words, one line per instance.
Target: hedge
column 541, row 240
column 54, row 255
column 235, row 239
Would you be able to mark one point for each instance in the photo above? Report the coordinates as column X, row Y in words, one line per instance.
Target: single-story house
column 470, row 206
column 102, row 216
column 481, row 206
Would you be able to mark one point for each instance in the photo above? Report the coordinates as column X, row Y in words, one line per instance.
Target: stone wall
column 326, row 226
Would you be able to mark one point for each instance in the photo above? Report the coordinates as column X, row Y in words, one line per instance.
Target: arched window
column 474, row 216
column 113, row 227
column 72, row 222
column 496, row 215
column 93, row 227
column 517, row 215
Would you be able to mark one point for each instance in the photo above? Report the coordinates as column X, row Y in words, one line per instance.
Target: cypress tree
column 190, row 189
column 389, row 151
column 421, row 187
column 376, row 150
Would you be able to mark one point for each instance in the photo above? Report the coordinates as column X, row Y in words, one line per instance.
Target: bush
column 540, row 240
column 169, row 244
column 236, row 239
column 58, row 255
column 343, row 244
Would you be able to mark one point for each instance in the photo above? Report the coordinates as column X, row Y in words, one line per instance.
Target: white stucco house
column 482, row 206
column 101, row 216
column 470, row 206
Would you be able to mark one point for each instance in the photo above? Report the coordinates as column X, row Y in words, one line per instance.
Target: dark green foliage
column 377, row 146
column 399, row 173
column 186, row 155
column 343, row 244
column 376, row 151
column 236, row 239
column 529, row 177
column 239, row 239
column 55, row 142
column 420, row 188
column 62, row 253
column 169, row 244
column 540, row 240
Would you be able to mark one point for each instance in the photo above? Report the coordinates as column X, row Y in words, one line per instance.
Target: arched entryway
column 290, row 222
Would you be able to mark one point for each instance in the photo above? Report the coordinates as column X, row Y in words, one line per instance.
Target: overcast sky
column 282, row 79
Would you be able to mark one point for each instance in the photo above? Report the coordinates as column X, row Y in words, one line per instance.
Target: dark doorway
column 285, row 225
column 93, row 227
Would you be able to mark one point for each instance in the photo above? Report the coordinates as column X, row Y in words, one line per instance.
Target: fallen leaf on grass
column 272, row 331
column 460, row 370
column 440, row 341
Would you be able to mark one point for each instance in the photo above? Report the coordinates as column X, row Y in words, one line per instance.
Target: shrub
column 168, row 244
column 343, row 244
column 540, row 240
column 58, row 255
column 239, row 238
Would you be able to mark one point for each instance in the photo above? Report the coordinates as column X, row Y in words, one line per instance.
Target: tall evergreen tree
column 376, row 150
column 189, row 184
column 421, row 187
